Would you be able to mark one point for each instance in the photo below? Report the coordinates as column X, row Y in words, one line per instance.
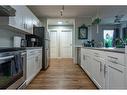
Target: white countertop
column 113, row 49
column 78, row 46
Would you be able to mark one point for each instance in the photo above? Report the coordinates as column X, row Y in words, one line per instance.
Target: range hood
column 7, row 11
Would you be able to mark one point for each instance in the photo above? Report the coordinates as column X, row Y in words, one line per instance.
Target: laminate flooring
column 62, row 74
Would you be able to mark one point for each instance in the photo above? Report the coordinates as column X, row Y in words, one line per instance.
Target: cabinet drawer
column 30, row 52
column 116, row 58
column 100, row 54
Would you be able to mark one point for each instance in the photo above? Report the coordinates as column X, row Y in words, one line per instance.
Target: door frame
column 74, row 51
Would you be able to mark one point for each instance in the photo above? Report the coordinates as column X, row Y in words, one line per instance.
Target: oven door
column 10, row 71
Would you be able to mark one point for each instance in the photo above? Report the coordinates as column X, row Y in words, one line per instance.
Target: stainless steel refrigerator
column 44, row 35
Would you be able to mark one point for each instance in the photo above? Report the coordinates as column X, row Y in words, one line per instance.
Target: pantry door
column 61, row 43
column 66, row 43
column 54, row 44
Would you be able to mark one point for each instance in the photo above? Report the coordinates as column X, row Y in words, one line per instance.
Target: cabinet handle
column 112, row 57
column 96, row 53
column 24, row 25
column 97, row 60
column 87, row 56
column 84, row 57
column 100, row 64
column 113, row 61
column 96, row 56
column 105, row 71
column 100, row 67
column 116, row 69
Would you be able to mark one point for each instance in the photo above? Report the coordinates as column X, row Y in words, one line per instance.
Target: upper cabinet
column 36, row 21
column 17, row 20
column 23, row 20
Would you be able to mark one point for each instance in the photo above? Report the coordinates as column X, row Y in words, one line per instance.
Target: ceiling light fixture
column 61, row 11
column 60, row 22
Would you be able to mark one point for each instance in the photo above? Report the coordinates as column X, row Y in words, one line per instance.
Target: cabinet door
column 17, row 20
column 82, row 58
column 88, row 64
column 29, row 21
column 40, row 59
column 36, row 21
column 36, row 65
column 115, row 77
column 30, row 69
column 96, row 70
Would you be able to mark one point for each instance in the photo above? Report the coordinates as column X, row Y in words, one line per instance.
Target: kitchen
column 46, row 40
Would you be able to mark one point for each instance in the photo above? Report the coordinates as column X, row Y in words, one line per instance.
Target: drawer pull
column 113, row 61
column 97, row 60
column 96, row 56
column 105, row 70
column 116, row 69
column 84, row 58
column 100, row 67
column 112, row 57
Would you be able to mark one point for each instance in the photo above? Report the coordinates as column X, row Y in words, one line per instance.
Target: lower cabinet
column 30, row 72
column 106, row 69
column 34, row 63
column 115, row 77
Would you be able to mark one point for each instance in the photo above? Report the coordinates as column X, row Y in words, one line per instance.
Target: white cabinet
column 115, row 72
column 38, row 60
column 36, row 22
column 23, row 21
column 34, row 63
column 30, row 70
column 106, row 69
column 86, row 60
column 17, row 20
column 115, row 77
column 82, row 58
column 27, row 20
column 98, row 71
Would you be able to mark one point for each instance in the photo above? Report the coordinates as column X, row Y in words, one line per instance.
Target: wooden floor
column 62, row 74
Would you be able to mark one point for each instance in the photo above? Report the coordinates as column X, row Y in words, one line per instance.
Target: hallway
column 62, row 74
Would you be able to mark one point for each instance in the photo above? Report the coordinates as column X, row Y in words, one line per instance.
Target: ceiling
column 69, row 11
column 107, row 13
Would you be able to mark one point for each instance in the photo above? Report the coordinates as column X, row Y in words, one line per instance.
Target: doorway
column 60, row 43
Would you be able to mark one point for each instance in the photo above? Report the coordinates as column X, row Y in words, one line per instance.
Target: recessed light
column 60, row 22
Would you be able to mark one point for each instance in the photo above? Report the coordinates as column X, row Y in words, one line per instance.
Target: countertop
column 9, row 49
column 117, row 50
column 27, row 48
column 78, row 46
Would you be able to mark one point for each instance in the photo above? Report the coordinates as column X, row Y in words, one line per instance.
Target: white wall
column 44, row 23
column 98, row 36
column 78, row 23
column 6, row 37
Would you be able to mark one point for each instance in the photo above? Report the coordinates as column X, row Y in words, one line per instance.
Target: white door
column 53, row 44
column 61, row 43
column 66, row 43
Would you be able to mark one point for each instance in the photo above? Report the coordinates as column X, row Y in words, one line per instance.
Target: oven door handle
column 7, row 57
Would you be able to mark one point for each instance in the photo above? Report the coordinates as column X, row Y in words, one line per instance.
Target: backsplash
column 6, row 37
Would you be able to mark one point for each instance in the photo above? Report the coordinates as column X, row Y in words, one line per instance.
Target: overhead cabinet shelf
column 23, row 21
